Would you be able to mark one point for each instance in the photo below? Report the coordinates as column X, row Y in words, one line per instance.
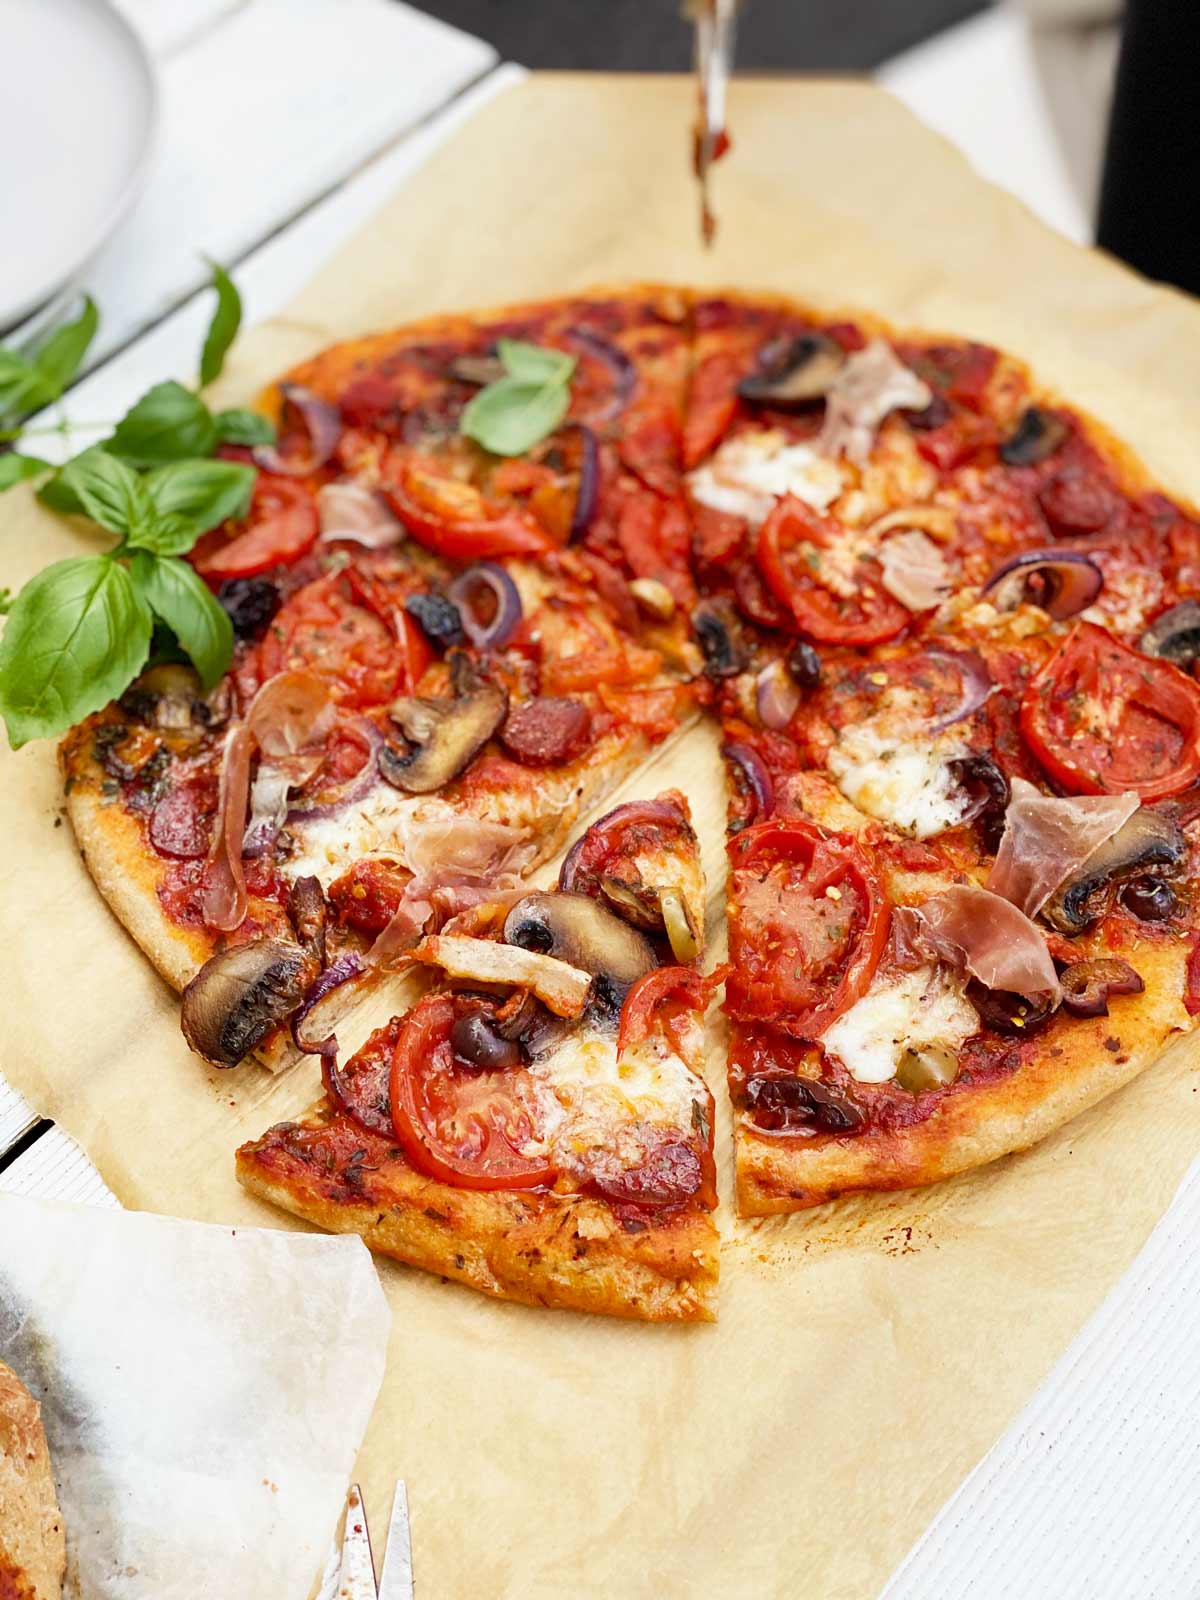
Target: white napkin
column 1092, row 1492
column 205, row 1391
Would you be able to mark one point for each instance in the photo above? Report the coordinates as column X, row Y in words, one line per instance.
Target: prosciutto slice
column 1047, row 838
column 289, row 713
column 980, row 933
column 872, row 382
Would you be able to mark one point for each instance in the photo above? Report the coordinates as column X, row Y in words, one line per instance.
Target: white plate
column 77, row 119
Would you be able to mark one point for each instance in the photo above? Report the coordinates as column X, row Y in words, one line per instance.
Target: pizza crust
column 975, row 1125
column 32, row 1540
column 562, row 1252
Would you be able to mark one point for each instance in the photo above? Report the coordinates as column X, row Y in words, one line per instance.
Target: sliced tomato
column 280, row 527
column 460, row 1125
column 455, row 520
column 1102, row 718
column 808, row 921
column 668, row 997
column 790, row 545
column 323, row 628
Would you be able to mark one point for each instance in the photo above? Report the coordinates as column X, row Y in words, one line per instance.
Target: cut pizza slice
column 537, row 1126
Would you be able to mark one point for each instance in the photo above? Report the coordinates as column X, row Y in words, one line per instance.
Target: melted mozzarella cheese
column 911, row 1011
column 377, row 825
column 750, row 472
column 588, row 1097
column 887, row 768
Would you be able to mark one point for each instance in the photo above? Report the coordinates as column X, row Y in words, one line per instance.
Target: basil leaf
column 222, row 330
column 188, row 606
column 111, row 493
column 531, row 363
column 58, row 494
column 20, row 385
column 57, row 362
column 15, row 468
column 205, row 492
column 511, row 416
column 76, row 637
column 244, row 427
column 169, row 423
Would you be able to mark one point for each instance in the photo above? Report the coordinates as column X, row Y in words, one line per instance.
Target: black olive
column 1037, row 435
column 1175, row 635
column 439, row 618
column 475, row 1041
column 988, row 791
column 250, row 604
column 778, row 1103
column 804, row 664
column 1087, row 985
column 720, row 638
column 1003, row 1012
column 1150, row 899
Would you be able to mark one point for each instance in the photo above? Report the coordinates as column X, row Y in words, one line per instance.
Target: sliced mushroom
column 1175, row 635
column 164, row 696
column 242, row 994
column 1037, row 435
column 306, row 913
column 793, row 372
column 661, row 911
column 1087, row 985
column 579, row 930
column 445, row 735
column 560, row 984
column 1149, row 839
column 480, row 369
column 719, row 634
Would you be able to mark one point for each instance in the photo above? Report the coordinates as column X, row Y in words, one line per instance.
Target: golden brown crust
column 32, row 1540
column 976, row 1125
column 565, row 1252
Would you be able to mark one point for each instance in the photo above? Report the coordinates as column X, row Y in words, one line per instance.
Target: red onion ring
column 621, row 369
column 497, row 632
column 324, row 425
column 355, row 788
column 1073, row 580
column 977, row 684
column 777, row 696
column 758, row 779
column 589, row 484
column 337, row 973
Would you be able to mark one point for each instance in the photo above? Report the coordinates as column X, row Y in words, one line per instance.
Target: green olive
column 930, row 1068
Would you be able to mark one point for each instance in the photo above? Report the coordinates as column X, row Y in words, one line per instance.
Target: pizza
column 946, row 627
column 32, row 1539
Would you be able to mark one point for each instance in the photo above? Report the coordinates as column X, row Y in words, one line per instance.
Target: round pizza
column 491, row 565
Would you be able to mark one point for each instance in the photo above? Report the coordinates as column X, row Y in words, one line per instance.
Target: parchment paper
column 868, row 1353
column 204, row 1391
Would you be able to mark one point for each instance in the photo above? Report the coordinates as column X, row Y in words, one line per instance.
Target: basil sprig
column 80, row 631
column 516, row 412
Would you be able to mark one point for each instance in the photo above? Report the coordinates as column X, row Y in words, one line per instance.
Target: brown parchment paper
column 867, row 1353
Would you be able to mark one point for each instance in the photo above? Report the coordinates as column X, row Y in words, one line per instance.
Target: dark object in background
column 651, row 36
column 1150, row 195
